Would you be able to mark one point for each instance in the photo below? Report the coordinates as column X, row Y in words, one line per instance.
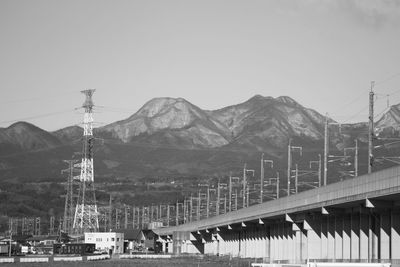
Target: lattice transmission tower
column 69, row 207
column 86, row 215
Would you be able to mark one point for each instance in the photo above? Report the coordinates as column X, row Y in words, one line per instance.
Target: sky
column 214, row 53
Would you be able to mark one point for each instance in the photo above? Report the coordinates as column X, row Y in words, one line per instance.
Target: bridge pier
column 395, row 234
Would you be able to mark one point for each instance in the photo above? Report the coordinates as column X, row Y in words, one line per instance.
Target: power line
column 48, row 96
column 387, row 79
column 37, row 116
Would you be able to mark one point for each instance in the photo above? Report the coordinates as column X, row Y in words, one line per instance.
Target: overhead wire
column 37, row 116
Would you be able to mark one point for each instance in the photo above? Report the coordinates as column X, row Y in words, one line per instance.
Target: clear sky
column 213, row 53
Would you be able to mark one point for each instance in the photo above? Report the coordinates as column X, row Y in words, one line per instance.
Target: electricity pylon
column 86, row 215
column 69, row 204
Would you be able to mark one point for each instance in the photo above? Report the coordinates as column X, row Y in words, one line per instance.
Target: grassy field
column 173, row 262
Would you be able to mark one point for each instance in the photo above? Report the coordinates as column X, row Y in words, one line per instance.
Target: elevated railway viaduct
column 354, row 220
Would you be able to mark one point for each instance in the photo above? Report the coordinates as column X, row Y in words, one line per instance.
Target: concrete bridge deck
column 353, row 220
column 382, row 185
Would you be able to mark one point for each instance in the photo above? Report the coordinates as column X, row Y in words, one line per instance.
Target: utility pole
column 37, row 226
column 245, row 186
column 168, row 213
column 126, row 216
column 262, row 178
column 52, row 222
column 117, row 222
column 289, row 166
column 263, row 161
column 326, row 150
column 110, row 213
column 133, row 216
column 326, row 147
column 319, row 162
column 230, row 192
column 143, row 217
column 296, row 179
column 208, row 202
column 355, row 148
column 218, row 199
column 224, row 203
column 247, row 196
column 277, row 185
column 198, row 206
column 184, row 210
column 371, row 134
column 138, row 218
column 356, row 160
column 236, row 199
column 11, row 232
column 290, row 147
column 177, row 214
column 191, row 208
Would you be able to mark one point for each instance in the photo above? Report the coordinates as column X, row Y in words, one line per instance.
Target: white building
column 106, row 241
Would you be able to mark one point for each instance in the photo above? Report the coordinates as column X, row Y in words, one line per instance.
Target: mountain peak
column 287, row 100
column 21, row 125
column 157, row 105
column 27, row 136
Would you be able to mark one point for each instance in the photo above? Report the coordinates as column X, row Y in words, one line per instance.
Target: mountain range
column 170, row 138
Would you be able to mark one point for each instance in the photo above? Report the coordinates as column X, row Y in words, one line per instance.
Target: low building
column 74, row 248
column 133, row 240
column 107, row 241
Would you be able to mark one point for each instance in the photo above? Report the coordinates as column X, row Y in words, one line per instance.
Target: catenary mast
column 86, row 215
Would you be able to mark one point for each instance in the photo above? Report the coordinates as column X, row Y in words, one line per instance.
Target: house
column 133, row 240
column 111, row 242
column 42, row 244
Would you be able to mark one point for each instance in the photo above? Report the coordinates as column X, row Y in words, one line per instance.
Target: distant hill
column 23, row 136
column 171, row 139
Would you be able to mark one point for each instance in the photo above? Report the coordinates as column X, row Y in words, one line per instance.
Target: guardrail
column 145, row 256
column 346, row 264
column 6, row 260
column 323, row 264
column 55, row 259
column 68, row 258
column 34, row 259
column 98, row 257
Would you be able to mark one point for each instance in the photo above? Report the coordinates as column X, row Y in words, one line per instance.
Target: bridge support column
column 373, row 236
column 290, row 243
column 347, row 237
column 355, row 236
column 273, row 244
column 338, row 237
column 296, row 230
column 331, row 237
column 324, row 237
column 313, row 227
column 395, row 235
column 267, row 243
column 364, row 229
column 385, row 236
column 280, row 241
column 304, row 245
